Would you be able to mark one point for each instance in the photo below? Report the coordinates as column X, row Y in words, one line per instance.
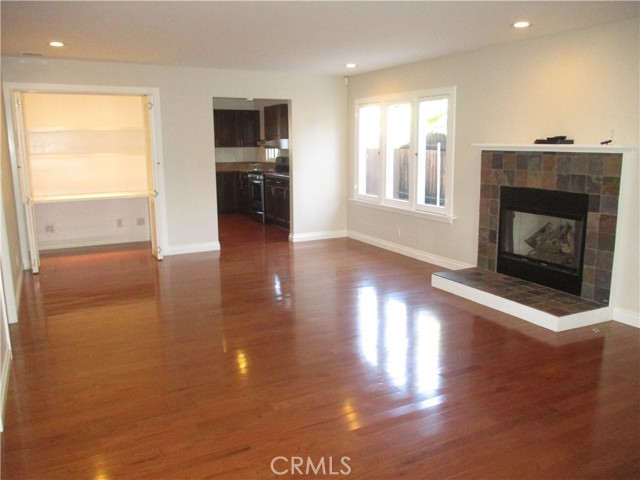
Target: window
column 369, row 150
column 398, row 143
column 270, row 154
column 405, row 151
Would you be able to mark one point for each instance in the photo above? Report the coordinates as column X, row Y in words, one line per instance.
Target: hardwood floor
column 224, row 364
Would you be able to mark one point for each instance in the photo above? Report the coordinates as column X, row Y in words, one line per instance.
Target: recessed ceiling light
column 351, row 65
column 521, row 24
column 56, row 44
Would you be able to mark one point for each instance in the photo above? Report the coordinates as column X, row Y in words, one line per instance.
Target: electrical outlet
column 119, row 223
column 140, row 221
column 50, row 228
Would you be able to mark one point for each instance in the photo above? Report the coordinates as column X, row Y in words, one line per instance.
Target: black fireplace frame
column 573, row 206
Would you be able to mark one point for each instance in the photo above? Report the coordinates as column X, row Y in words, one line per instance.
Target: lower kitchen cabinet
column 233, row 192
column 277, row 201
column 242, row 191
column 226, row 185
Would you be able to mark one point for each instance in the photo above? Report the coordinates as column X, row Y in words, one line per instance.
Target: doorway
column 253, row 175
column 88, row 167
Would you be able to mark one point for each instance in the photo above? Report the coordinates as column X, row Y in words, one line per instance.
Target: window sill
column 410, row 213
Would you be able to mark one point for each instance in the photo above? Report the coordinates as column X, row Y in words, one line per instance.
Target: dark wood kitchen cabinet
column 277, row 210
column 236, row 128
column 233, row 192
column 242, row 193
column 227, row 191
column 276, row 122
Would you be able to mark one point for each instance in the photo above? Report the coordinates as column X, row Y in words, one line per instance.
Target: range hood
column 282, row 143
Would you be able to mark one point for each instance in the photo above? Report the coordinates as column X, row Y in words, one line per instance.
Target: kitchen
column 252, row 160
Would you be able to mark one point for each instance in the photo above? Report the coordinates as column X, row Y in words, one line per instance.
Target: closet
column 87, row 173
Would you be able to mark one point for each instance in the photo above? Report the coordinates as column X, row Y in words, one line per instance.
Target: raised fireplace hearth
column 541, row 236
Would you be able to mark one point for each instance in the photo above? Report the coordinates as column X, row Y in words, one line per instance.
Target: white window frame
column 410, row 207
column 387, row 178
column 361, row 176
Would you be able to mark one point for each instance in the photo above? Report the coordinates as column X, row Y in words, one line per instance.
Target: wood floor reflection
column 213, row 365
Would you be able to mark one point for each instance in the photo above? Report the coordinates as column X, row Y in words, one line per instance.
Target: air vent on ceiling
column 31, row 54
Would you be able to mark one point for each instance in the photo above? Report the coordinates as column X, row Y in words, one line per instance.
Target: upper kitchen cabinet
column 248, row 127
column 276, row 122
column 236, row 128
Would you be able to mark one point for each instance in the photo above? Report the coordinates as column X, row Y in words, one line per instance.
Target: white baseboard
column 191, row 248
column 626, row 316
column 92, row 241
column 308, row 237
column 4, row 384
column 410, row 252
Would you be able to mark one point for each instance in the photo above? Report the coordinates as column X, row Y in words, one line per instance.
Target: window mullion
column 413, row 155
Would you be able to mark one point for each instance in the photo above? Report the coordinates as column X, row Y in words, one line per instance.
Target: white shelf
column 90, row 196
column 555, row 147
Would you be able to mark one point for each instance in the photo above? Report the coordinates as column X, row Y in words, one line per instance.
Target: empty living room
column 454, row 293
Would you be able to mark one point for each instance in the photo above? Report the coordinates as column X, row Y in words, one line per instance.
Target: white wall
column 10, row 268
column 580, row 84
column 317, row 129
column 5, row 349
column 92, row 222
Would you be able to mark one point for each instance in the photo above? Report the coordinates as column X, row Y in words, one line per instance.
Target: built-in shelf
column 90, row 196
column 553, row 147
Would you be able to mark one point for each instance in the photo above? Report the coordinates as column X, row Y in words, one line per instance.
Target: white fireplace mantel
column 554, row 147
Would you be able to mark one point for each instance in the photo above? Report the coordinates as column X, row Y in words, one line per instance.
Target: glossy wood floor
column 211, row 365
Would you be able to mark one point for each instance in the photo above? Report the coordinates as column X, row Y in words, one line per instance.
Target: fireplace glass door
column 545, row 239
column 541, row 236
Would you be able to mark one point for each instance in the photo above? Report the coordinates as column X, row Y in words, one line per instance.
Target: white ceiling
column 300, row 36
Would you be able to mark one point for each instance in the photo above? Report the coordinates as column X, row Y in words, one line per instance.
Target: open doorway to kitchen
column 87, row 169
column 253, row 168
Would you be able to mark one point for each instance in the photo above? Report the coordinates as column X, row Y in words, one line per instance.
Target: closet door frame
column 17, row 151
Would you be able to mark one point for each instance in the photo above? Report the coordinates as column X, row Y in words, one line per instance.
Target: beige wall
column 9, row 211
column 317, row 129
column 580, row 84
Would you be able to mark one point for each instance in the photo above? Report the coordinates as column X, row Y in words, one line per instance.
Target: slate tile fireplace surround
column 596, row 174
column 585, row 178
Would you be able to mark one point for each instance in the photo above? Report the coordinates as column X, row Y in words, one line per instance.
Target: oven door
column 256, row 198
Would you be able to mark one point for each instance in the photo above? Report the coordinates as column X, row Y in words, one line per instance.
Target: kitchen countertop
column 277, row 174
column 267, row 169
column 245, row 167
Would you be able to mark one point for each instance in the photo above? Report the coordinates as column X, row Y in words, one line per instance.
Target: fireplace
column 559, row 169
column 550, row 211
column 542, row 236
